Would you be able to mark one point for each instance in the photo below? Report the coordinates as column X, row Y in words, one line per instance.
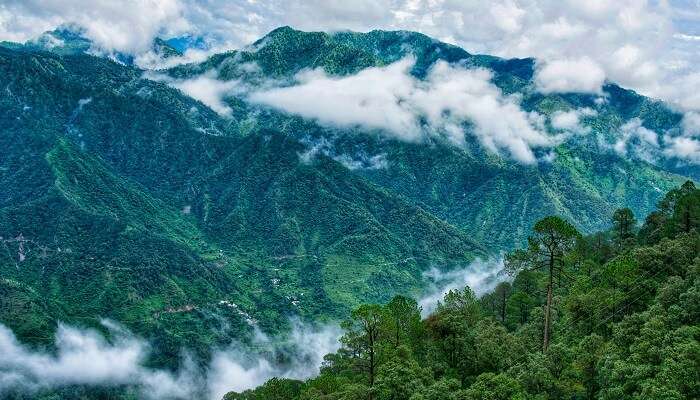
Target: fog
column 237, row 369
column 481, row 276
column 85, row 357
column 390, row 99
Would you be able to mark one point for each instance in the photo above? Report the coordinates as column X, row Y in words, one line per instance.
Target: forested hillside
column 613, row 315
column 118, row 203
column 487, row 194
column 190, row 206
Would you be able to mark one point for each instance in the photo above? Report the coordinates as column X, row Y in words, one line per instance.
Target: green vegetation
column 158, row 213
column 123, row 198
column 491, row 198
column 607, row 316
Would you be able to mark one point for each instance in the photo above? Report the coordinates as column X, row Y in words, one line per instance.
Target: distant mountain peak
column 65, row 39
column 71, row 39
column 165, row 49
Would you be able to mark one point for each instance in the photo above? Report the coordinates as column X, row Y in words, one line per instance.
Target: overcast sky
column 650, row 46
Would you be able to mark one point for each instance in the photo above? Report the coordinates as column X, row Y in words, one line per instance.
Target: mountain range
column 196, row 203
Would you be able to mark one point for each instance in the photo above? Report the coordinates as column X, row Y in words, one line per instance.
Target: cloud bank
column 481, row 276
column 206, row 88
column 650, row 46
column 125, row 26
column 450, row 102
column 237, row 370
column 680, row 146
column 581, row 75
column 571, row 120
column 85, row 357
column 685, row 147
column 638, row 141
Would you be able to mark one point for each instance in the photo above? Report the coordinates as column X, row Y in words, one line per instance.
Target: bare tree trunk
column 503, row 307
column 371, row 367
column 548, row 308
column 547, row 317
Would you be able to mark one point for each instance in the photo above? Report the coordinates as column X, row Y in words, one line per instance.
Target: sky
column 649, row 46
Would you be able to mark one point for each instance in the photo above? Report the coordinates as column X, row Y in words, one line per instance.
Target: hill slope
column 124, row 199
column 491, row 197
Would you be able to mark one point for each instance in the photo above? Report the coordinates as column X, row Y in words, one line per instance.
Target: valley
column 272, row 190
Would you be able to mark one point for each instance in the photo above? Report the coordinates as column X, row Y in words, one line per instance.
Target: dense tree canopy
column 623, row 309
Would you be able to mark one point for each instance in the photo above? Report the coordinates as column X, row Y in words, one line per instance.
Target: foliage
column 123, row 198
column 626, row 326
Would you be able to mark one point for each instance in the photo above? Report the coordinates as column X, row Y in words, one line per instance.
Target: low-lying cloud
column 85, row 357
column 650, row 46
column 206, row 88
column 358, row 160
column 452, row 101
column 681, row 145
column 481, row 276
column 686, row 146
column 238, row 370
column 571, row 120
column 637, row 141
column 686, row 149
column 581, row 75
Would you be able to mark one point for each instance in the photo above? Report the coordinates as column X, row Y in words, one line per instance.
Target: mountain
column 625, row 326
column 71, row 39
column 124, row 198
column 492, row 198
column 120, row 202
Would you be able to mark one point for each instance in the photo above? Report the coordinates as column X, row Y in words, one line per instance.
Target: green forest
column 127, row 198
column 612, row 315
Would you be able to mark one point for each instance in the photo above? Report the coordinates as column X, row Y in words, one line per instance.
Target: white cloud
column 507, row 16
column 691, row 124
column 153, row 61
column 356, row 161
column 571, row 120
column 362, row 161
column 391, row 100
column 206, row 88
column 570, row 75
column 125, row 26
column 649, row 46
column 229, row 370
column 684, row 148
column 567, row 120
column 85, row 357
column 481, row 276
column 637, row 141
column 370, row 98
column 209, row 91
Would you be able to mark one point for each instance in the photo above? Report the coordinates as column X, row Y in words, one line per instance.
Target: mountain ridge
column 129, row 216
column 167, row 205
column 511, row 76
